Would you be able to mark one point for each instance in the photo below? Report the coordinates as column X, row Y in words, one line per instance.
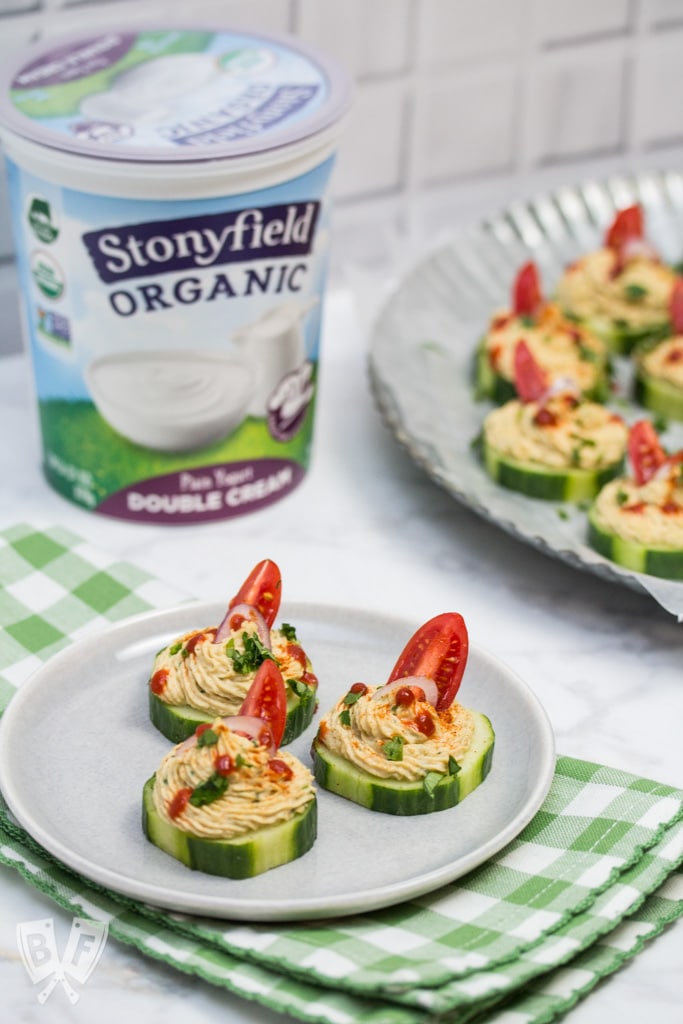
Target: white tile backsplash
column 370, row 39
column 658, row 92
column 451, row 96
column 663, row 12
column 575, row 106
column 465, row 30
column 370, row 156
column 559, row 21
column 466, row 125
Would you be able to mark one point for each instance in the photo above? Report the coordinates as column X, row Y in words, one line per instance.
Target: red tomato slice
column 526, row 291
column 627, row 224
column 676, row 306
column 262, row 589
column 267, row 699
column 437, row 650
column 644, row 451
column 531, row 380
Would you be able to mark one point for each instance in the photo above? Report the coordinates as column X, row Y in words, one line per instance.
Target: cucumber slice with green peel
column 493, row 385
column 488, row 383
column 244, row 857
column 544, row 482
column 178, row 721
column 655, row 561
column 619, row 337
column 658, row 395
column 391, row 796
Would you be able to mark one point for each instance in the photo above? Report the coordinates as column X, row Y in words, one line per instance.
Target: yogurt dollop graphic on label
column 171, row 401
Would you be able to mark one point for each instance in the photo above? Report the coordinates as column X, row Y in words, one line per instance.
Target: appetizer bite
column 637, row 520
column 622, row 291
column 560, row 346
column 206, row 673
column 550, row 443
column 226, row 800
column 408, row 747
column 658, row 379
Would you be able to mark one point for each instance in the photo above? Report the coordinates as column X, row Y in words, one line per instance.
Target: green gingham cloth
column 596, row 873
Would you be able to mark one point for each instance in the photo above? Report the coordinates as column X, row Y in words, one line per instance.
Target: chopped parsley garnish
column 453, row 766
column 393, row 749
column 298, row 688
column 431, row 781
column 528, row 321
column 351, row 698
column 635, row 292
column 345, row 717
column 175, row 648
column 288, row 632
column 588, row 355
column 241, row 763
column 622, row 497
column 582, row 442
column 562, row 513
column 208, row 738
column 660, row 423
column 214, row 788
column 255, row 653
column 185, row 653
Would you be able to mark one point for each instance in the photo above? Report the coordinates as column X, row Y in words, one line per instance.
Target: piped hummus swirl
column 665, row 361
column 258, row 793
column 197, row 671
column 373, row 726
column 561, row 348
column 637, row 295
column 650, row 514
column 583, row 435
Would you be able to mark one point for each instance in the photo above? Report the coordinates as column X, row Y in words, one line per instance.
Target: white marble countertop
column 367, row 528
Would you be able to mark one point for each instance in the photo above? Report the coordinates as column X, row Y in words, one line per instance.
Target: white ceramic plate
column 76, row 747
column 423, row 343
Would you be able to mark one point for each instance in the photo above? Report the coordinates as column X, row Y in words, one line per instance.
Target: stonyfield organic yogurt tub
column 169, row 190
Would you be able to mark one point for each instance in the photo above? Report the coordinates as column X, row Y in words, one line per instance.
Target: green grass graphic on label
column 83, row 455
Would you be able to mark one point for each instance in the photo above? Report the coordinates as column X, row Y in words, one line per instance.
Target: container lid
column 173, row 94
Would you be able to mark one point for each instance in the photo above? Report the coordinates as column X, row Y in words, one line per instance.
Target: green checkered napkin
column 521, row 939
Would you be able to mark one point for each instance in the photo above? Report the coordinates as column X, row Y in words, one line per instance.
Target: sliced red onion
column 638, row 248
column 251, row 614
column 428, row 685
column 560, row 386
column 664, row 471
column 243, row 725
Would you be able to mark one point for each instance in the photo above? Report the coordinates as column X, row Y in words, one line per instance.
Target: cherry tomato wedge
column 627, row 224
column 644, row 451
column 676, row 306
column 437, row 650
column 531, row 381
column 267, row 699
column 526, row 291
column 262, row 589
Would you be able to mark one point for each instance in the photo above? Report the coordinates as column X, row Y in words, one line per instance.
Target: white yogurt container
column 170, row 199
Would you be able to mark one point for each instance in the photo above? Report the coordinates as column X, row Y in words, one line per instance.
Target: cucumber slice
column 245, row 857
column 178, row 721
column 488, row 382
column 622, row 339
column 391, row 796
column 658, row 395
column 545, row 482
column 656, row 561
column 493, row 385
